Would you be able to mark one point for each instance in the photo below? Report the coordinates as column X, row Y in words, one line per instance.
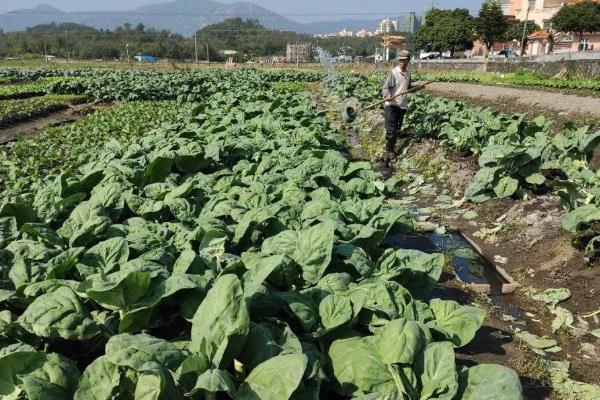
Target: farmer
column 397, row 82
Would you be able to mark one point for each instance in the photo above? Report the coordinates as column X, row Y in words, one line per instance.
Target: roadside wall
column 551, row 64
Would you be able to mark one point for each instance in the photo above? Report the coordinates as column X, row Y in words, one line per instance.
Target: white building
column 387, row 26
column 363, row 33
column 345, row 33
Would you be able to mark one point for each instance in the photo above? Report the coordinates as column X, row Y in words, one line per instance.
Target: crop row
column 19, row 91
column 520, row 78
column 235, row 253
column 513, row 154
column 13, row 111
column 65, row 147
column 129, row 85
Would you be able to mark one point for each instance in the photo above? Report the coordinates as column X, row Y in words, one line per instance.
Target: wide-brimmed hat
column 403, row 55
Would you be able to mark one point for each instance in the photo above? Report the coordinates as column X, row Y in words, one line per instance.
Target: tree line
column 247, row 37
column 456, row 30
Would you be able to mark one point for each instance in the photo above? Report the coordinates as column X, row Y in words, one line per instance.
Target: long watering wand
column 349, row 114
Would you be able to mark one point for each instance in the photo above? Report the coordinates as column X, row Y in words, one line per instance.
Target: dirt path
column 31, row 128
column 526, row 237
column 35, row 126
column 520, row 100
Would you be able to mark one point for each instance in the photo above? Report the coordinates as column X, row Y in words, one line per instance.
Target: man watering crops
column 394, row 92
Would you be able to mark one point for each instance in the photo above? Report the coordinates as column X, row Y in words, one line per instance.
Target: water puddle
column 468, row 264
column 358, row 153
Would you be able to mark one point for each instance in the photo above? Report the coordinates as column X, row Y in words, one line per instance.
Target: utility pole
column 67, row 42
column 196, row 46
column 207, row 54
column 524, row 31
column 127, row 51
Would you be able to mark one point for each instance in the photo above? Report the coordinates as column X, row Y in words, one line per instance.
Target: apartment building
column 298, row 53
column 541, row 12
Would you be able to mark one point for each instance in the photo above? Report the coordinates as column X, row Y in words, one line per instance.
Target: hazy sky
column 320, row 9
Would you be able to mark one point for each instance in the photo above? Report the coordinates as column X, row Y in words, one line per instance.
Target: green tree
column 515, row 32
column 579, row 18
column 446, row 30
column 491, row 25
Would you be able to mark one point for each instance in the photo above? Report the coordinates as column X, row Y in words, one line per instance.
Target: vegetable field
column 229, row 249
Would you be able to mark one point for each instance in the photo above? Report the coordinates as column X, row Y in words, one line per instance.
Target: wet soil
column 524, row 234
column 545, row 261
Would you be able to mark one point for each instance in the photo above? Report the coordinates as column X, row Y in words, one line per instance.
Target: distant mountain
column 179, row 16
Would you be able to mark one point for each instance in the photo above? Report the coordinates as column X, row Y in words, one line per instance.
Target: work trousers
column 394, row 117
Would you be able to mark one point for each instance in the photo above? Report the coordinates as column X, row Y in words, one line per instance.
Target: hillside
column 180, row 16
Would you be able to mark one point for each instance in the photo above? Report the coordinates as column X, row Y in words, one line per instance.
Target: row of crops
column 13, row 111
column 129, row 85
column 525, row 78
column 515, row 155
column 231, row 253
column 65, row 147
column 31, row 89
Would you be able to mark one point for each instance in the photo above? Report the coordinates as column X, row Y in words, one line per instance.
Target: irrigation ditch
column 485, row 266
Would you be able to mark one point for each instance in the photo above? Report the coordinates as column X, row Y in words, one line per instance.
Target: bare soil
column 538, row 253
column 527, row 233
column 35, row 126
column 555, row 105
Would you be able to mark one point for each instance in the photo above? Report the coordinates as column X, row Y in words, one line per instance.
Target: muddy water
column 468, row 265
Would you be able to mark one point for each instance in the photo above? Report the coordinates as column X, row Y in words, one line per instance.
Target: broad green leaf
column 59, row 314
column 506, row 187
column 536, row 179
column 389, row 298
column 118, row 291
column 356, row 257
column 188, row 263
column 266, row 341
column 580, row 216
column 8, row 230
column 137, row 351
column 564, row 318
column 152, row 384
column 457, row 323
column 536, row 342
column 22, row 212
column 107, row 256
column 283, row 243
column 399, row 342
column 274, row 379
column 221, row 323
column 302, row 307
column 358, row 369
column 436, row 369
column 259, row 268
column 59, row 267
column 335, row 310
column 40, row 232
column 214, row 381
column 489, row 382
column 36, row 375
column 314, row 250
column 99, row 380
